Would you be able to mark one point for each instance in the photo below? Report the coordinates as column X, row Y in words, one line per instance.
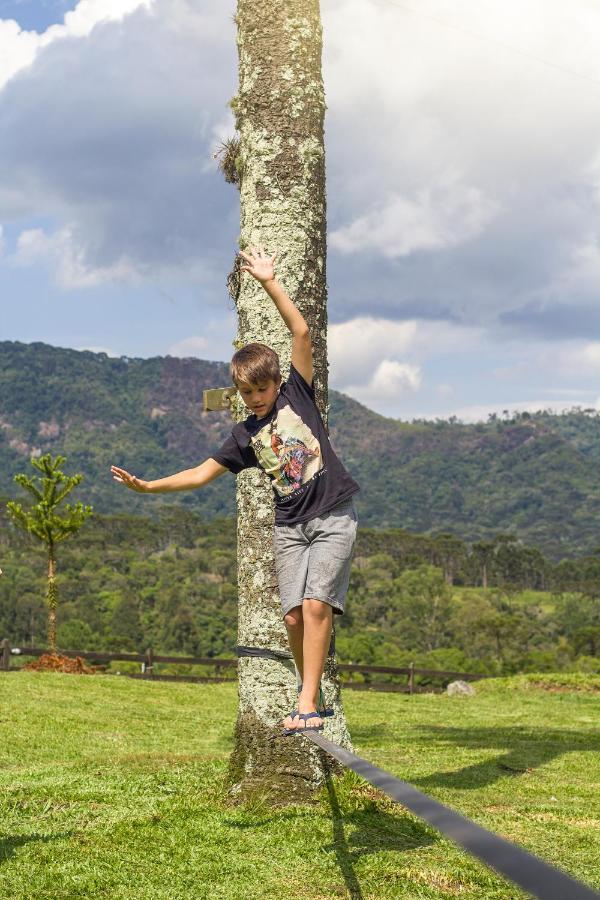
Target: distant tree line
column 503, row 561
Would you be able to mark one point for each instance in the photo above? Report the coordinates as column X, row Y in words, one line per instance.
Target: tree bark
column 280, row 162
column 51, row 600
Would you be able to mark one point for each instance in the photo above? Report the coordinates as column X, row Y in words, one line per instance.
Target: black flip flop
column 307, row 727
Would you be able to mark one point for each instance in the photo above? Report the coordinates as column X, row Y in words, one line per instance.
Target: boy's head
column 256, row 374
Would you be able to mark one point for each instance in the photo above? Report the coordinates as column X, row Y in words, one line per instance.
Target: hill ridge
column 534, row 475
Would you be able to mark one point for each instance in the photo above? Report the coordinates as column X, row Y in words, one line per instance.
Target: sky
column 463, row 192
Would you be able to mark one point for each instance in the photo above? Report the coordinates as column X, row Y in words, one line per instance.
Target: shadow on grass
column 375, row 830
column 366, row 733
column 9, row 846
column 521, row 751
column 370, row 827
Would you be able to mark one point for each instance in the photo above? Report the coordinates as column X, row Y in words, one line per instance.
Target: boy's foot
column 290, row 722
column 294, row 721
column 303, row 719
column 300, row 721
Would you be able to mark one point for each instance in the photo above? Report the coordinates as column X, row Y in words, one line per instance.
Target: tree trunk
column 51, row 600
column 281, row 167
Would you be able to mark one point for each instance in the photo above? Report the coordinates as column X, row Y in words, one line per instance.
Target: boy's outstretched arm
column 260, row 266
column 181, row 481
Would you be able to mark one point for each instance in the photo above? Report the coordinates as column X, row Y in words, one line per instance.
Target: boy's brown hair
column 253, row 363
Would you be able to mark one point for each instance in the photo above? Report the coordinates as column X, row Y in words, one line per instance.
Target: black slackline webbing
column 263, row 654
column 282, row 655
column 537, row 877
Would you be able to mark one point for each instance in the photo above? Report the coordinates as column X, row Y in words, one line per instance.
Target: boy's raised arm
column 260, row 266
column 181, row 481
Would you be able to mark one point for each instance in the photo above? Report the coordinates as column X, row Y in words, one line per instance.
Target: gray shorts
column 313, row 558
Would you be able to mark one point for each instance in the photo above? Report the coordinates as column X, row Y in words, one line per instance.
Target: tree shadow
column 372, row 829
column 375, row 830
column 365, row 733
column 340, row 845
column 520, row 751
column 9, row 846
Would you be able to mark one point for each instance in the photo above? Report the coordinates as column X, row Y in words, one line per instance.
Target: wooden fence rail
column 149, row 659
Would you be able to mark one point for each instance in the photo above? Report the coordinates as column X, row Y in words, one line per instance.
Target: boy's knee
column 316, row 609
column 293, row 618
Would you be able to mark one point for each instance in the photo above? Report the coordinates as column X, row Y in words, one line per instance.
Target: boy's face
column 259, row 398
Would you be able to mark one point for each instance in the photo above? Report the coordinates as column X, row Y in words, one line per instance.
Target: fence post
column 149, row 664
column 5, row 664
column 411, row 678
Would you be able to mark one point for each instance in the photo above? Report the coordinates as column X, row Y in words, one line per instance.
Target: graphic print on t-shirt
column 287, row 450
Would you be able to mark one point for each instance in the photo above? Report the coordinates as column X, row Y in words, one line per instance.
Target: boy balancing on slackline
column 315, row 517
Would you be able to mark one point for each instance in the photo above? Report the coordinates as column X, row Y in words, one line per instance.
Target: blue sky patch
column 35, row 15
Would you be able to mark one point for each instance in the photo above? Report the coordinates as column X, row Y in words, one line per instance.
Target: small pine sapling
column 42, row 520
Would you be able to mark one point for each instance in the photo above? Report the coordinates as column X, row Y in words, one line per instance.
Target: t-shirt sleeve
column 234, row 456
column 296, row 382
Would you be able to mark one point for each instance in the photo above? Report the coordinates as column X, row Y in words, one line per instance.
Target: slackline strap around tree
column 530, row 872
column 280, row 655
column 262, row 653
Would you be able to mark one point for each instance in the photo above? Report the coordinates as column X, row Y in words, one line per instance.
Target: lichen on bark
column 279, row 112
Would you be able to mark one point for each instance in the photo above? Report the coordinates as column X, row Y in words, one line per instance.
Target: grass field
column 112, row 788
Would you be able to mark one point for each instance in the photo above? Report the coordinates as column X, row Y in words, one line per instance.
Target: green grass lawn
column 113, row 787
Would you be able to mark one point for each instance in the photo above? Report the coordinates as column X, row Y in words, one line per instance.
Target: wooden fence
column 221, row 667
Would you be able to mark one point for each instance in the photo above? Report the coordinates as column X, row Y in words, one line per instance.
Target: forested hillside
column 536, row 476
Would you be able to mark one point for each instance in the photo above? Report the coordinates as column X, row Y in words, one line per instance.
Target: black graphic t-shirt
column 292, row 446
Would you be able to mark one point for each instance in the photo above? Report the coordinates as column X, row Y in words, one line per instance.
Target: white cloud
column 419, row 90
column 442, row 215
column 129, row 173
column 581, row 274
column 215, row 342
column 388, row 383
column 66, row 259
column 191, row 346
column 87, row 14
column 391, row 376
column 355, row 347
column 591, row 356
column 94, row 349
column 577, row 359
column 19, row 48
column 568, row 359
column 419, row 368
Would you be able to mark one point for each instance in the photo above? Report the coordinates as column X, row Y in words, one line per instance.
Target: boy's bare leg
column 318, row 619
column 294, row 623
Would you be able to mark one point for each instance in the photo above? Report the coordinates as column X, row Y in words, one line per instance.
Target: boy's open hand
column 130, row 481
column 260, row 266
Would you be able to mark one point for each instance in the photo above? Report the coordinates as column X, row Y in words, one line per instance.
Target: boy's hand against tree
column 259, row 265
column 130, row 481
